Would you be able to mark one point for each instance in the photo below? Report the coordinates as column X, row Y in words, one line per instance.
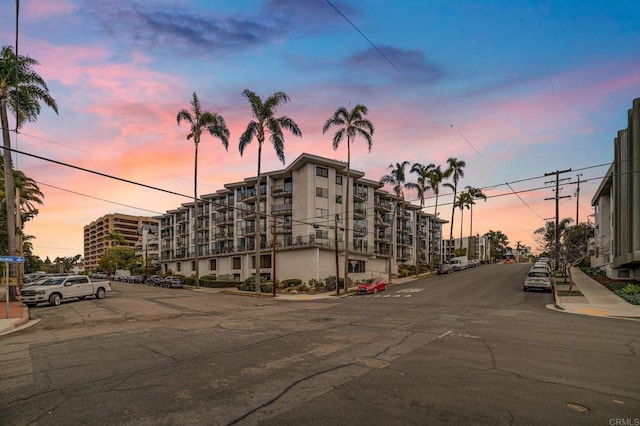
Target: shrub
column 330, row 283
column 291, row 282
column 628, row 291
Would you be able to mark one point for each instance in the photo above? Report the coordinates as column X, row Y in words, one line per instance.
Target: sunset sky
column 515, row 88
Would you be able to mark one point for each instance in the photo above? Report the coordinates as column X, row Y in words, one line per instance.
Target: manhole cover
column 577, row 407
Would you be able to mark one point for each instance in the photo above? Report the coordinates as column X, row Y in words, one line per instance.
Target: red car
column 372, row 285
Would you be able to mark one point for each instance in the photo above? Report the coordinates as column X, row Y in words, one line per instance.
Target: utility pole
column 557, row 198
column 578, row 200
column 273, row 255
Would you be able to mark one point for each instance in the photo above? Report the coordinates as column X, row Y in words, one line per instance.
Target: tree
column 117, row 257
column 422, row 185
column 474, row 194
column 397, row 179
column 574, row 244
column 22, row 91
column 265, row 123
column 455, row 172
column 350, row 124
column 546, row 236
column 201, row 121
column 463, row 201
column 498, row 244
column 436, row 176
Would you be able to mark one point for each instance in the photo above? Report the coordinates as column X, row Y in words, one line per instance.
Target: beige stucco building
column 130, row 227
column 303, row 207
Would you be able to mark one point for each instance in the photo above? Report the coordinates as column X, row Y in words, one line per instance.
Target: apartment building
column 616, row 245
column 302, row 209
column 96, row 234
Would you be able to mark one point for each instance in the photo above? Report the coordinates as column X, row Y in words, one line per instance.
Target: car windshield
column 538, row 274
column 370, row 281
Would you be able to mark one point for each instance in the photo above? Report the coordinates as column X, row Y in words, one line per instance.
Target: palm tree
column 455, row 171
column 21, row 92
column 265, row 123
column 397, row 179
column 421, row 186
column 436, row 176
column 475, row 194
column 350, row 124
column 463, row 201
column 201, row 121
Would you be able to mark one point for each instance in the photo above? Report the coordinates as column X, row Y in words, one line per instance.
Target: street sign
column 12, row 259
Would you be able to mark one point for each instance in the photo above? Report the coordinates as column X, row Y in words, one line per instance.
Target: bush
column 330, row 283
column 292, row 282
column 219, row 284
column 628, row 291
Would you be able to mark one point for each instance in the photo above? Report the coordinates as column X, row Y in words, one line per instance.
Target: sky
column 514, row 88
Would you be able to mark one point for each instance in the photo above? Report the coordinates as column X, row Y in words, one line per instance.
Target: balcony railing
column 281, row 208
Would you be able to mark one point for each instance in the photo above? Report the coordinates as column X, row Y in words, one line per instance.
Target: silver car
column 538, row 278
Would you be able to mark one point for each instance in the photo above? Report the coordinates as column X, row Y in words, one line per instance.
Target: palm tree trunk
column 346, row 218
column 9, row 190
column 258, row 230
column 461, row 222
column 471, row 224
column 453, row 211
column 195, row 216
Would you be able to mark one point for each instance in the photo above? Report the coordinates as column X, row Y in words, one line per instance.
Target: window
column 178, row 267
column 322, row 171
column 265, row 261
column 356, row 266
column 193, row 265
column 236, row 263
column 213, row 264
column 322, row 192
column 338, row 199
column 323, row 213
column 338, row 179
column 322, row 234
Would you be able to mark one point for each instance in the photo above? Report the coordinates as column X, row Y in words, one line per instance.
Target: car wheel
column 100, row 293
column 81, row 297
column 55, row 299
column 385, row 286
column 524, row 289
column 375, row 290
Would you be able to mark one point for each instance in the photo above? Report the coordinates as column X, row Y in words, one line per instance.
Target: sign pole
column 6, row 296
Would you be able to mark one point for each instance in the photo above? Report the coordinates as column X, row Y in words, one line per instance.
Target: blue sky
column 514, row 88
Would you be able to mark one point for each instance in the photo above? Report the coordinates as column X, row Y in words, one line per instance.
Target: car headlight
column 40, row 292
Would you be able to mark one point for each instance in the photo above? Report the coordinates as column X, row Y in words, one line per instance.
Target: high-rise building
column 97, row 235
column 302, row 209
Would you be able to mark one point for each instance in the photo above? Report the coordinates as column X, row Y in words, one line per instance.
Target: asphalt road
column 465, row 348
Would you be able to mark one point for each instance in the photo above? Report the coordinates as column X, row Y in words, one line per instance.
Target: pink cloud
column 39, row 10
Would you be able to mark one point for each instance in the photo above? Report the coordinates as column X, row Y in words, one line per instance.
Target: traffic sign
column 12, row 259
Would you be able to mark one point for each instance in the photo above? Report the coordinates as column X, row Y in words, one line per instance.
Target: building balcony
column 281, row 190
column 384, row 206
column 221, row 205
column 360, row 231
column 247, row 213
column 281, row 209
column 359, row 213
column 360, row 194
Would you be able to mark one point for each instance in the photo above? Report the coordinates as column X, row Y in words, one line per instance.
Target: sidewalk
column 18, row 315
column 597, row 300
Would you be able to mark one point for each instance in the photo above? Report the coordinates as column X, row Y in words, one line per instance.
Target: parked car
column 445, row 268
column 174, row 282
column 538, row 278
column 56, row 289
column 542, row 265
column 372, row 285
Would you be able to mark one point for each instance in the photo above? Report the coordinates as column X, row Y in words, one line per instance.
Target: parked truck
column 56, row 289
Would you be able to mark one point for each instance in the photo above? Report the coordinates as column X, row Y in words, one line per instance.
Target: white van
column 459, row 263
